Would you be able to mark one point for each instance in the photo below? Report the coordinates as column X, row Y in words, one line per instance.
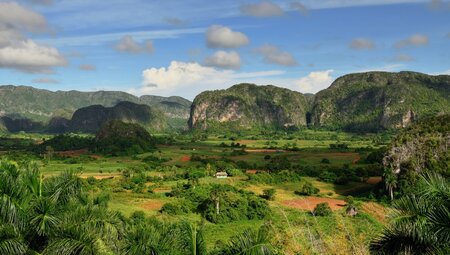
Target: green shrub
column 325, row 161
column 322, row 209
column 269, row 194
column 306, row 189
column 180, row 207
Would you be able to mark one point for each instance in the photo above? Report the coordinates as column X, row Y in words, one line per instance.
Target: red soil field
column 185, row 158
column 309, row 203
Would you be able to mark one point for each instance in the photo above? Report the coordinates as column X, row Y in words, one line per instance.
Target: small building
column 221, row 175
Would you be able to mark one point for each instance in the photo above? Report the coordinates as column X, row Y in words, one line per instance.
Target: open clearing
column 309, row 203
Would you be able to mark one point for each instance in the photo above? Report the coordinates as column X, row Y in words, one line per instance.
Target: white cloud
column 30, row 57
column 45, row 80
column 189, row 79
column 361, row 43
column 223, row 37
column 274, row 55
column 16, row 17
column 129, row 45
column 224, row 59
column 262, row 9
column 414, row 40
column 18, row 52
column 315, row 81
column 299, row 7
column 99, row 39
column 87, row 67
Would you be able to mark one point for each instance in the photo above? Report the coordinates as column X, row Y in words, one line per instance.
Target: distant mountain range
column 370, row 101
column 20, row 102
column 364, row 102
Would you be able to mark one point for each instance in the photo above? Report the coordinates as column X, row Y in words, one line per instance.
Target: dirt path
column 309, row 203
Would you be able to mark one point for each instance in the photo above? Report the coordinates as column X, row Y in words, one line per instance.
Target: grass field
column 297, row 230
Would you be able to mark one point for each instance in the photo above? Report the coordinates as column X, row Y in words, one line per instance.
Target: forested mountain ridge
column 21, row 102
column 90, row 119
column 376, row 101
column 247, row 106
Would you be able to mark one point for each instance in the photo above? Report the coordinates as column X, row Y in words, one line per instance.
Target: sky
column 184, row 47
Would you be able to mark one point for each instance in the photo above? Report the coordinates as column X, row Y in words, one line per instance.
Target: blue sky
column 185, row 47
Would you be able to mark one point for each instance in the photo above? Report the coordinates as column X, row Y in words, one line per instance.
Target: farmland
column 145, row 183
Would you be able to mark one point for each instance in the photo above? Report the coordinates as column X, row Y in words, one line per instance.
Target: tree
column 51, row 215
column 390, row 181
column 193, row 239
column 251, row 243
column 322, row 209
column 419, row 223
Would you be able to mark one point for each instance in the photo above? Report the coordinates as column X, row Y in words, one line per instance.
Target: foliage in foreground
column 419, row 221
column 55, row 216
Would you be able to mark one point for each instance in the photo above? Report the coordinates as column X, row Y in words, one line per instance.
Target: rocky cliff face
column 379, row 100
column 90, row 119
column 425, row 145
column 248, row 106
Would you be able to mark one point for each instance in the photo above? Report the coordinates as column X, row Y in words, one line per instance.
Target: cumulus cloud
column 190, row 78
column 274, row 55
column 16, row 17
column 30, row 57
column 45, row 80
column 223, row 37
column 315, row 81
column 403, row 58
column 224, row 59
column 87, row 67
column 127, row 44
column 361, row 43
column 17, row 51
column 262, row 9
column 414, row 40
column 299, row 7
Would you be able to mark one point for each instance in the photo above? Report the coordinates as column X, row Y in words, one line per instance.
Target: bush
column 307, row 189
column 328, row 176
column 322, row 209
column 325, row 161
column 182, row 206
column 269, row 194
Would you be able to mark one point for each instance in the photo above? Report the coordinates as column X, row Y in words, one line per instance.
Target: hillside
column 424, row 145
column 375, row 101
column 248, row 106
column 90, row 119
column 42, row 105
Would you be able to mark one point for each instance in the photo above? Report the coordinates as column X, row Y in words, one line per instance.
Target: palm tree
column 390, row 181
column 251, row 243
column 150, row 238
column 420, row 221
column 51, row 215
column 194, row 241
